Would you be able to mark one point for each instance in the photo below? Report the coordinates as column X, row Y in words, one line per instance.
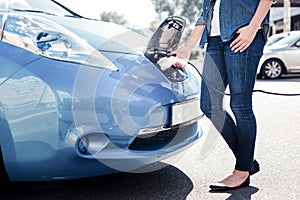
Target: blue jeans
column 223, row 67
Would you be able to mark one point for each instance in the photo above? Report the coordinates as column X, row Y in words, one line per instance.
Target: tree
column 189, row 9
column 113, row 17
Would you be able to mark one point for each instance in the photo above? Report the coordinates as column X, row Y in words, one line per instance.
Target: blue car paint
column 99, row 34
column 46, row 105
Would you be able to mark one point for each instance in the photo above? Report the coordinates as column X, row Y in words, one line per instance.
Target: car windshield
column 47, row 6
column 288, row 40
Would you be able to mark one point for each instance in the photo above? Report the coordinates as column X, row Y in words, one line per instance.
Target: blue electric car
column 81, row 97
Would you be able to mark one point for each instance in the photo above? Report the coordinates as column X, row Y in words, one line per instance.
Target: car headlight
column 51, row 40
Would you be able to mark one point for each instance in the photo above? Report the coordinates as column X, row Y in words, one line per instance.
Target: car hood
column 277, row 46
column 274, row 48
column 105, row 36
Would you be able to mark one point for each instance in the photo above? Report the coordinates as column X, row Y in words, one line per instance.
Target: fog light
column 91, row 143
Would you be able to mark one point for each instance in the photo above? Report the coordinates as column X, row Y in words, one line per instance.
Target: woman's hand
column 182, row 52
column 245, row 38
column 247, row 33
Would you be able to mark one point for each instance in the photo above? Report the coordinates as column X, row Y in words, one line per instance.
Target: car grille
column 158, row 140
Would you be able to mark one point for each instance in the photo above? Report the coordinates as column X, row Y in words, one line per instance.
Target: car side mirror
column 298, row 44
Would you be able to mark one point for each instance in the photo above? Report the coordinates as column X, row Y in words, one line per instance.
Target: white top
column 215, row 23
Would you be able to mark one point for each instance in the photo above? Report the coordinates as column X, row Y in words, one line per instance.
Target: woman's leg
column 215, row 78
column 241, row 73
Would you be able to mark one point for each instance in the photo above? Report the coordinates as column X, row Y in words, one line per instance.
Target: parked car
column 282, row 57
column 81, row 97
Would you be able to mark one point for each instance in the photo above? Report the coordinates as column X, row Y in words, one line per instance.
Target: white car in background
column 281, row 56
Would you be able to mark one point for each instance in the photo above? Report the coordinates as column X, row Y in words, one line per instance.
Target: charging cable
column 242, row 93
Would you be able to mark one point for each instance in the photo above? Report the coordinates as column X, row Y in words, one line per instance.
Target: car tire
column 272, row 69
column 259, row 76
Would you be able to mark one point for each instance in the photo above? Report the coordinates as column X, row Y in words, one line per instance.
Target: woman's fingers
column 240, row 45
column 244, row 39
column 178, row 64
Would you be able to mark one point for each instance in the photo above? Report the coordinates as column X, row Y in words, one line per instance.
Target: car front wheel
column 272, row 69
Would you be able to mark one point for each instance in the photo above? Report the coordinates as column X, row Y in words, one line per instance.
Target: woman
column 235, row 32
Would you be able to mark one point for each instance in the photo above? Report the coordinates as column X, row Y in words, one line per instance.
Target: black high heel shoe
column 220, row 187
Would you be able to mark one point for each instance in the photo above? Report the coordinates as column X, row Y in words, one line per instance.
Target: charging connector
column 169, row 61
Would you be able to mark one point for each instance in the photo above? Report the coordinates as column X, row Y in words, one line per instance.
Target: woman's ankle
column 241, row 174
